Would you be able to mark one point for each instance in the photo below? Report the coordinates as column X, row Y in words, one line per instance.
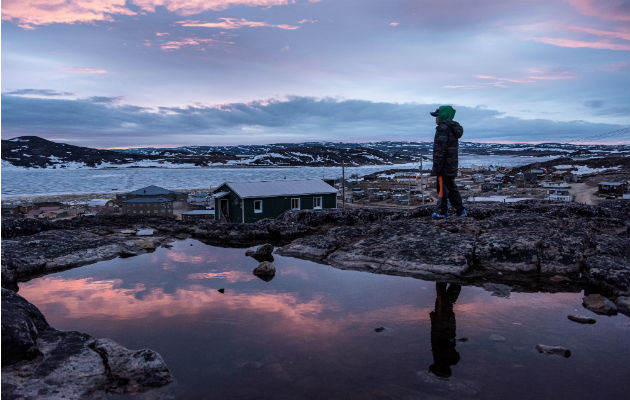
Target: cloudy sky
column 176, row 72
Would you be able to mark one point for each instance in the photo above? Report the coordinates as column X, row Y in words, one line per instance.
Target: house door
column 225, row 209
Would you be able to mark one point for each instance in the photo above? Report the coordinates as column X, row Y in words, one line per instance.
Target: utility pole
column 421, row 181
column 343, row 184
column 409, row 193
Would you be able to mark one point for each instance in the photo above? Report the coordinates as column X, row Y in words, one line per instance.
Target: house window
column 258, row 206
column 317, row 203
column 295, row 203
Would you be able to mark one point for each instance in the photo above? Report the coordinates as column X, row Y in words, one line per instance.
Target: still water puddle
column 315, row 332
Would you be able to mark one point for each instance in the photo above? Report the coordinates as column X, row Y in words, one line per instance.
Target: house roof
column 151, row 190
column 198, row 212
column 219, row 194
column 97, row 202
column 149, row 200
column 283, row 187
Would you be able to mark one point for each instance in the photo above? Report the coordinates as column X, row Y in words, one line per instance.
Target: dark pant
column 448, row 191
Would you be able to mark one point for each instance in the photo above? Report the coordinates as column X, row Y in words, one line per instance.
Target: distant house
column 200, row 199
column 491, row 186
column 252, row 201
column 151, row 191
column 612, row 188
column 154, row 206
column 478, row 178
column 559, row 193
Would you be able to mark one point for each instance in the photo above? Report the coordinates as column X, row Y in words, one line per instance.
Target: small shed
column 252, row 201
column 491, row 186
column 612, row 188
column 197, row 214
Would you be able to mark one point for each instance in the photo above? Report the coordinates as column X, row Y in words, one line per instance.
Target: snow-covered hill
column 35, row 152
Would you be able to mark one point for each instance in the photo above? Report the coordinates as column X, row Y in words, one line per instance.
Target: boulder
column 599, row 304
column 580, row 319
column 41, row 362
column 146, row 244
column 262, row 253
column 265, row 270
column 21, row 324
column 609, row 272
column 498, row 289
column 557, row 350
column 623, row 304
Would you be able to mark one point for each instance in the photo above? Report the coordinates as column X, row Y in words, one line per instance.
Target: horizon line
column 575, row 143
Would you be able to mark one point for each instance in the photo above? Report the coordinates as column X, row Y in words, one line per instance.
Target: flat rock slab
column 420, row 248
column 518, row 242
column 567, row 245
column 599, row 304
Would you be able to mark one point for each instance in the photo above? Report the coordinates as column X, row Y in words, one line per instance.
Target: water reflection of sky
column 310, row 332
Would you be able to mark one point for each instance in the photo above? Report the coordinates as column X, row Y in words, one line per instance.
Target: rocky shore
column 40, row 362
column 529, row 245
column 525, row 246
column 535, row 245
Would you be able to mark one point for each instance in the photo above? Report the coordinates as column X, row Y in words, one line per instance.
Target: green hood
column 446, row 113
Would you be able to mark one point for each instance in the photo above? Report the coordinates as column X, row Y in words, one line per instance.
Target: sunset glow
column 122, row 74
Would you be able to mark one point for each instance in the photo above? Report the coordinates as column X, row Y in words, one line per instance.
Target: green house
column 251, row 201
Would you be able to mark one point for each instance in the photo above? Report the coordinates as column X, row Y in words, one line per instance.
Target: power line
column 600, row 135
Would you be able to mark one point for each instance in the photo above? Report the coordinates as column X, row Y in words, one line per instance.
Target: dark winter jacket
column 446, row 147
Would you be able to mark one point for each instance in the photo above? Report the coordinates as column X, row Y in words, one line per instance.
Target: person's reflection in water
column 443, row 329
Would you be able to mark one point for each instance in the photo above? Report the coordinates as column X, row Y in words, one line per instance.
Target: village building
column 492, row 186
column 151, row 191
column 558, row 192
column 154, row 206
column 252, row 201
column 612, row 188
column 194, row 215
column 202, row 200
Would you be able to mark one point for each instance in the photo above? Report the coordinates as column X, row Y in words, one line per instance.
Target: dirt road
column 585, row 193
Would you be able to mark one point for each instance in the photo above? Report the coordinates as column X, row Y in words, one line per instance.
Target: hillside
column 36, row 152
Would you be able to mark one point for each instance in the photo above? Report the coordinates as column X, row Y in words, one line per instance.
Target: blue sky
column 177, row 72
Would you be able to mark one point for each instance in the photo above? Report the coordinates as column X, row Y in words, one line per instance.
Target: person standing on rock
column 445, row 149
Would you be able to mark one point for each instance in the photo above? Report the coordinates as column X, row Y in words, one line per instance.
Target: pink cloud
column 616, row 10
column 620, row 66
column 479, row 85
column 511, row 80
column 625, row 35
column 178, row 44
column 310, row 21
column 543, row 74
column 394, row 24
column 234, row 23
column 191, row 7
column 228, row 276
column 29, row 14
column 82, row 296
column 601, row 45
column 533, row 75
column 83, row 70
column 185, row 258
column 160, row 34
